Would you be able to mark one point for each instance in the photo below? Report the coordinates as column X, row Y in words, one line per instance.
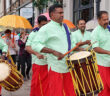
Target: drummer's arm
column 39, row 43
column 29, row 50
column 84, row 43
column 97, row 47
column 79, row 49
column 81, row 44
column 50, row 51
column 101, row 51
column 4, row 52
column 38, row 46
column 4, row 47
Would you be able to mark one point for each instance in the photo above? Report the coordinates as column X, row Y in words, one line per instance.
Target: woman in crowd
column 24, row 56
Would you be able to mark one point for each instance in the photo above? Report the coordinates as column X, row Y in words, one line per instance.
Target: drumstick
column 72, row 49
column 89, row 45
column 77, row 47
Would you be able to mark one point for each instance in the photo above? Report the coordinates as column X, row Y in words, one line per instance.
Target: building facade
column 19, row 7
column 86, row 9
column 73, row 9
column 76, row 9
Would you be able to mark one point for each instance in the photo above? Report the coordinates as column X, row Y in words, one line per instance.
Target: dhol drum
column 84, row 71
column 10, row 78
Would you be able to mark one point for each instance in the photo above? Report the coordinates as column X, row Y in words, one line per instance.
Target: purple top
column 22, row 50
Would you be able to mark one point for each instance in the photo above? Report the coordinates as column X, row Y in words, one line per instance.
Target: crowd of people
column 45, row 47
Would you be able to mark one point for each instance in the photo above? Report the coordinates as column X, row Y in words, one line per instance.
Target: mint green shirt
column 77, row 36
column 35, row 60
column 3, row 45
column 102, row 36
column 30, row 38
column 53, row 36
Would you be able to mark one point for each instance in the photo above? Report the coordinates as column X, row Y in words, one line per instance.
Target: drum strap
column 35, row 29
column 68, row 36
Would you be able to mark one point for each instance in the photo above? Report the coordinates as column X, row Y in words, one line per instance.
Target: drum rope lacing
column 76, row 79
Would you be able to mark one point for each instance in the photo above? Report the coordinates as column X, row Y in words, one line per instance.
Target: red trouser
column 0, row 90
column 60, row 84
column 39, row 83
column 105, row 76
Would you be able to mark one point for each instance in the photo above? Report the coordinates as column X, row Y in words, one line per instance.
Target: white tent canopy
column 90, row 25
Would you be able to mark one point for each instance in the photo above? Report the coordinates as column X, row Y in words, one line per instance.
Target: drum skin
column 14, row 81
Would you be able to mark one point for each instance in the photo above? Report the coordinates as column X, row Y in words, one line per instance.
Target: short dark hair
column 42, row 18
column 8, row 31
column 80, row 20
column 53, row 7
column 100, row 13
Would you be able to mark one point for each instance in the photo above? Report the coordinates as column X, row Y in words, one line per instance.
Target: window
column 85, row 2
column 83, row 9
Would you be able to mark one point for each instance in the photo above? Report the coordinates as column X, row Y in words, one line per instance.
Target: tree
column 41, row 4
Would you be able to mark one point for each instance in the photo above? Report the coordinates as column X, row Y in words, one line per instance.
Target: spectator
column 24, row 56
column 12, row 44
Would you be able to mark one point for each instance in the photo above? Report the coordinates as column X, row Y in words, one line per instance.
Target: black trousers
column 14, row 58
column 18, row 63
column 23, row 61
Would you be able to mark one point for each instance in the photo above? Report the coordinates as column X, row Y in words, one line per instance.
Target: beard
column 83, row 29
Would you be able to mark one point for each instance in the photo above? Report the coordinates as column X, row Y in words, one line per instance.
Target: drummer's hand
column 58, row 54
column 40, row 56
column 3, row 56
column 88, row 42
column 108, row 52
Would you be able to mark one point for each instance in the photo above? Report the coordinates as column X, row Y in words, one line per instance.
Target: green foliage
column 57, row 1
column 40, row 3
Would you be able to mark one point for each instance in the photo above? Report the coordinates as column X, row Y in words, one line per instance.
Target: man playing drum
column 39, row 67
column 52, row 39
column 4, row 49
column 102, row 48
column 81, row 35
